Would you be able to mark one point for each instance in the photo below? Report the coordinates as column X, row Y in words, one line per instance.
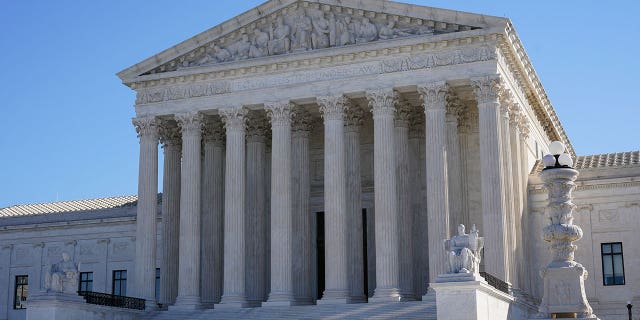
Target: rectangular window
column 86, row 281
column 612, row 264
column 119, row 282
column 157, row 283
column 21, row 292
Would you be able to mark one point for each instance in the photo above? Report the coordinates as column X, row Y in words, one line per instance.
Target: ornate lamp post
column 629, row 306
column 564, row 295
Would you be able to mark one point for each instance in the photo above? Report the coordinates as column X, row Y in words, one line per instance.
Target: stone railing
column 111, row 300
column 495, row 282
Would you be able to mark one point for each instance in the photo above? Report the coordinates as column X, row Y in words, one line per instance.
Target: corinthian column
column 417, row 190
column 212, row 211
column 405, row 218
column 145, row 260
column 518, row 194
column 454, row 166
column 434, row 98
column 234, row 209
column 302, row 231
column 335, row 203
column 257, row 130
column 353, row 121
column 172, row 145
column 281, row 204
column 386, row 198
column 493, row 210
column 189, row 266
column 507, row 162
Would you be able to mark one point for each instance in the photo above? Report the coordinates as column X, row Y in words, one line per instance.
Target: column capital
column 382, row 101
column 234, row 118
column 301, row 121
column 487, row 89
column 279, row 112
column 353, row 118
column 455, row 108
column 416, row 124
column 514, row 115
column 257, row 127
column 169, row 133
column 403, row 113
column 190, row 123
column 434, row 95
column 332, row 107
column 146, row 126
column 468, row 120
column 213, row 130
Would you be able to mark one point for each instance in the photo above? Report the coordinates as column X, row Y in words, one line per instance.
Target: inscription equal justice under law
column 306, row 27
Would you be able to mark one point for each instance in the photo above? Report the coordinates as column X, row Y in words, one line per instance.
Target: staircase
column 400, row 310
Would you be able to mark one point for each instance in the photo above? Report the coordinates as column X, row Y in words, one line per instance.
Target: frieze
column 400, row 64
column 303, row 27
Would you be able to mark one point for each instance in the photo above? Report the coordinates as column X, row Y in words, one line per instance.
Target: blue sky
column 66, row 118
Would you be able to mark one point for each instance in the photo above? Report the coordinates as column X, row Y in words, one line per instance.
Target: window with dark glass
column 119, row 284
column 21, row 292
column 86, row 281
column 157, row 283
column 612, row 264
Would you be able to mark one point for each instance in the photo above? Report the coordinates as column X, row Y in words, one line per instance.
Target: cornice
column 524, row 74
column 539, row 189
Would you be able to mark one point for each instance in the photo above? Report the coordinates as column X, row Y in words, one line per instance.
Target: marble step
column 402, row 310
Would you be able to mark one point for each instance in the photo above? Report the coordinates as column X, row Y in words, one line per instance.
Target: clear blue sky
column 66, row 118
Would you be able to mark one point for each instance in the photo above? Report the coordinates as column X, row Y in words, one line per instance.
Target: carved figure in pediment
column 302, row 31
column 259, row 46
column 320, row 35
column 366, row 31
column 386, row 31
column 280, row 42
column 221, row 54
column 346, row 30
column 240, row 49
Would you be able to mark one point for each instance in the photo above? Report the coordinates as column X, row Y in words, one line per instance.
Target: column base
column 235, row 302
column 334, row 297
column 185, row 303
column 304, row 301
column 386, row 295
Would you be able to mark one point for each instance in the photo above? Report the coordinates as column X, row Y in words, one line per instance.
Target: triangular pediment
column 280, row 27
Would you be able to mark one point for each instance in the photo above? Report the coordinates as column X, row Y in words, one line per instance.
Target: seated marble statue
column 62, row 276
column 463, row 251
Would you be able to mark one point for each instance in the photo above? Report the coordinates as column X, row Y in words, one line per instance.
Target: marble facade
column 301, row 113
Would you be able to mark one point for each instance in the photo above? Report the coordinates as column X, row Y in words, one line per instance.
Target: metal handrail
column 495, row 282
column 112, row 300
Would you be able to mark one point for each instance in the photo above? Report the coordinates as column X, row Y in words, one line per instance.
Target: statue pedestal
column 564, row 294
column 470, row 300
column 66, row 306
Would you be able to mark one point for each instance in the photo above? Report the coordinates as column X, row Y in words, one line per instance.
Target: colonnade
column 222, row 246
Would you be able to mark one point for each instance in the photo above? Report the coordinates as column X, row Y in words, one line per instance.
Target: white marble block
column 471, row 300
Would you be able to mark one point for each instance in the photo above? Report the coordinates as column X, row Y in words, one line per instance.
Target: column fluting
column 281, row 204
column 190, row 125
column 332, row 109
column 418, row 202
column 146, row 217
column 382, row 103
column 172, row 146
column 454, row 166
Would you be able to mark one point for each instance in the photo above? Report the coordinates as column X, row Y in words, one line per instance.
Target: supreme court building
column 319, row 151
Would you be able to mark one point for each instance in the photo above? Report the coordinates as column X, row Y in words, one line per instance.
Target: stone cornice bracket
column 434, row 95
column 302, row 121
column 146, row 127
column 279, row 112
column 234, row 118
column 488, row 89
column 403, row 113
column 353, row 118
column 332, row 107
column 169, row 134
column 257, row 126
column 382, row 102
column 213, row 130
column 190, row 123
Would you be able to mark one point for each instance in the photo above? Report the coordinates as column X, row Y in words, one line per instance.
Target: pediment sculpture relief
column 305, row 27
